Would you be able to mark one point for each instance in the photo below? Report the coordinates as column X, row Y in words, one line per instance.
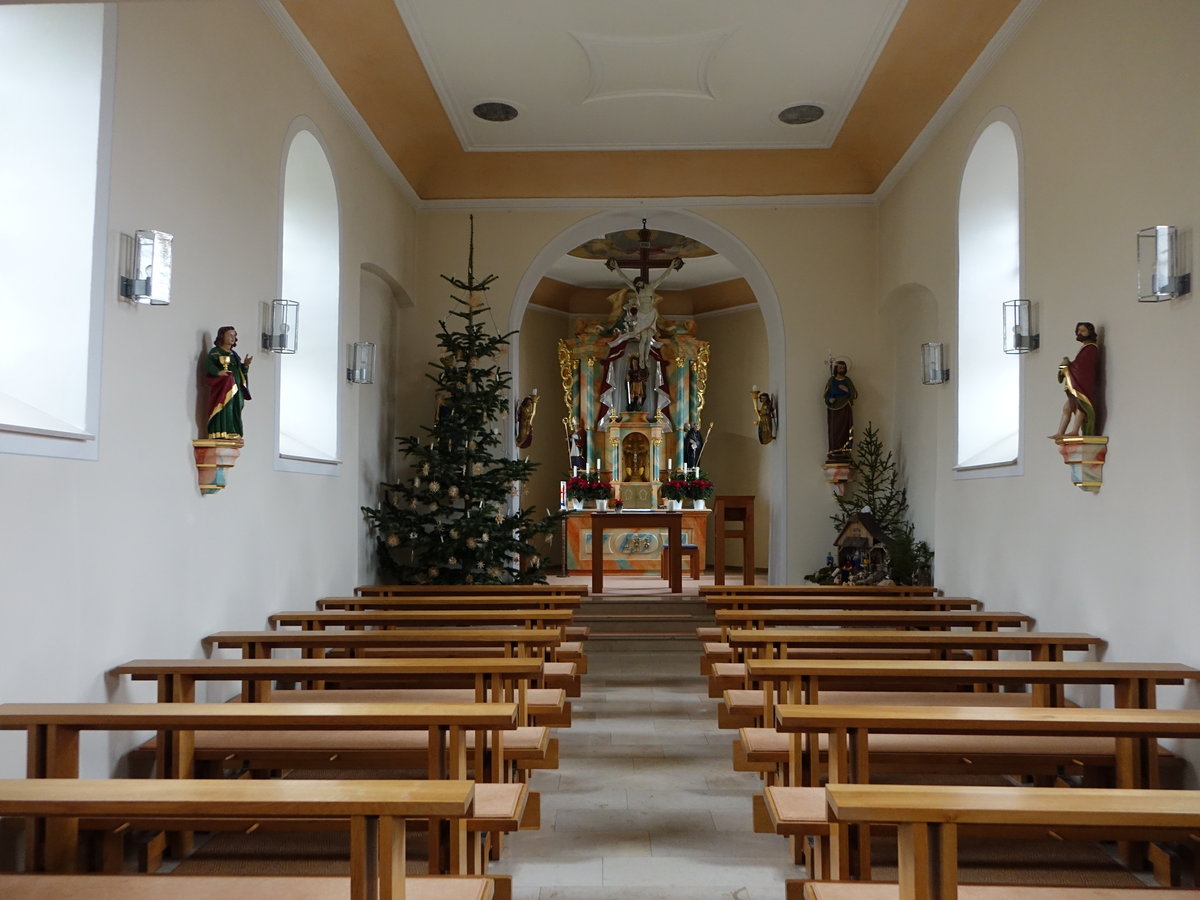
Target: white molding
column 624, row 203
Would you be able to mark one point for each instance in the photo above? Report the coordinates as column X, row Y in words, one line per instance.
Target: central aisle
column 645, row 804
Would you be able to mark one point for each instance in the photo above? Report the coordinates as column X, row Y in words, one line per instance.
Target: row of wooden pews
column 464, row 702
column 830, row 692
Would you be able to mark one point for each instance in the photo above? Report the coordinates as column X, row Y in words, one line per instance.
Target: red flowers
column 581, row 488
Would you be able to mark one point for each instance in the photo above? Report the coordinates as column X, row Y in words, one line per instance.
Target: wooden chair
column 733, row 508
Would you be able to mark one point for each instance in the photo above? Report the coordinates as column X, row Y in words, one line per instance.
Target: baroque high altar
column 633, row 385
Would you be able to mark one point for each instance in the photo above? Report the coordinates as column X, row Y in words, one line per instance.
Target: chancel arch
column 748, row 266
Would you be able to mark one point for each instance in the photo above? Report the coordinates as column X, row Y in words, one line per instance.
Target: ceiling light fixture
column 495, row 111
column 801, row 114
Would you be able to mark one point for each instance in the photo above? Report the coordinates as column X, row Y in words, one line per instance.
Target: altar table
column 672, row 521
column 632, row 550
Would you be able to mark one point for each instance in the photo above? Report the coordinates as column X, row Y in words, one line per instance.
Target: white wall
column 1104, row 94
column 121, row 558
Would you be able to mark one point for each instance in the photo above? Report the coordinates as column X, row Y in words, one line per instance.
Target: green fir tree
column 877, row 486
column 451, row 520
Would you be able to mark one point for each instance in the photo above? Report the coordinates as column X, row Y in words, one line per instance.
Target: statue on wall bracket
column 1079, row 440
column 223, row 397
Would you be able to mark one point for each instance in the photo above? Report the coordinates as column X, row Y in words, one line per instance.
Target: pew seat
column 529, row 746
column 832, row 890
column 767, row 750
column 743, row 708
column 227, row 887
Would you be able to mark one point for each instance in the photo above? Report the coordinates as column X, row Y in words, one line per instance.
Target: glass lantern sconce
column 933, row 366
column 1020, row 331
column 1161, row 265
column 146, row 268
column 283, row 329
column 362, row 363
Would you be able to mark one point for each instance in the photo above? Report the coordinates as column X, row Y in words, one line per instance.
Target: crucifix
column 643, row 263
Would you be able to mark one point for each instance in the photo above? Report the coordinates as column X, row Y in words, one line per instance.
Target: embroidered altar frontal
column 633, row 550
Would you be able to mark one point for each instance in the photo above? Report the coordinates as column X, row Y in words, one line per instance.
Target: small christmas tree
column 877, row 488
column 450, row 521
column 876, row 485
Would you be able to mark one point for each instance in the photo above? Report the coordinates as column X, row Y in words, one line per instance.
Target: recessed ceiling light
column 801, row 114
column 493, row 111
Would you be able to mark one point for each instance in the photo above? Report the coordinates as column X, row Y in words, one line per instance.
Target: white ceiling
column 648, row 74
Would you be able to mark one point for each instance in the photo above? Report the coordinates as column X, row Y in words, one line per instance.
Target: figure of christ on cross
column 641, row 314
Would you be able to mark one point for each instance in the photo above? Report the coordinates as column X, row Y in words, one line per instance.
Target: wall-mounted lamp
column 933, row 369
column 362, row 363
column 1020, row 330
column 283, row 330
column 146, row 267
column 1161, row 265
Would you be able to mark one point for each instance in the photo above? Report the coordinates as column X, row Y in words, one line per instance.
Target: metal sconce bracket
column 1161, row 265
column 282, row 327
column 145, row 259
column 933, row 367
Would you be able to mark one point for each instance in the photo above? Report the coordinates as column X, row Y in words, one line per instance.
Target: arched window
column 989, row 273
column 308, row 378
column 53, row 205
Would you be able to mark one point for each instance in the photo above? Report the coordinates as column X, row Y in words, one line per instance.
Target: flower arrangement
column 698, row 488
column 618, row 504
column 674, row 487
column 582, row 487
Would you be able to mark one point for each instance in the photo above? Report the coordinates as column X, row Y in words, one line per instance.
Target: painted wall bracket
column 1085, row 455
column 838, row 474
column 213, row 457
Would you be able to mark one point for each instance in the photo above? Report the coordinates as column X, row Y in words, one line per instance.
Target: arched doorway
column 748, row 265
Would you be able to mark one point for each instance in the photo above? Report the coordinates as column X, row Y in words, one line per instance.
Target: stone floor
column 645, row 804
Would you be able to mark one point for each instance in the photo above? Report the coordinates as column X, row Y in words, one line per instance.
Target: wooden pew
column 479, row 590
column 854, row 890
column 452, row 601
column 396, row 618
column 838, row 601
column 565, row 651
column 777, row 643
column 716, row 644
column 508, row 641
column 765, row 750
column 801, row 680
column 851, row 643
column 799, row 590
column 375, row 809
column 495, row 679
column 188, row 731
column 991, row 738
column 929, row 816
column 466, row 641
column 492, row 678
column 978, row 620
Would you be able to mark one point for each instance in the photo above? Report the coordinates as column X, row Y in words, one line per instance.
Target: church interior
column 693, row 218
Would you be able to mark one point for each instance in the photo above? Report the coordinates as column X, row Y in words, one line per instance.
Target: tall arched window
column 308, row 378
column 56, row 63
column 989, row 273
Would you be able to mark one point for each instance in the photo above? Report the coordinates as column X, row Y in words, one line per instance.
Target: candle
column 574, row 471
column 597, row 464
column 754, row 389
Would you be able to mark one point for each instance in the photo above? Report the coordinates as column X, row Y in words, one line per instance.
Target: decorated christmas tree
column 456, row 517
